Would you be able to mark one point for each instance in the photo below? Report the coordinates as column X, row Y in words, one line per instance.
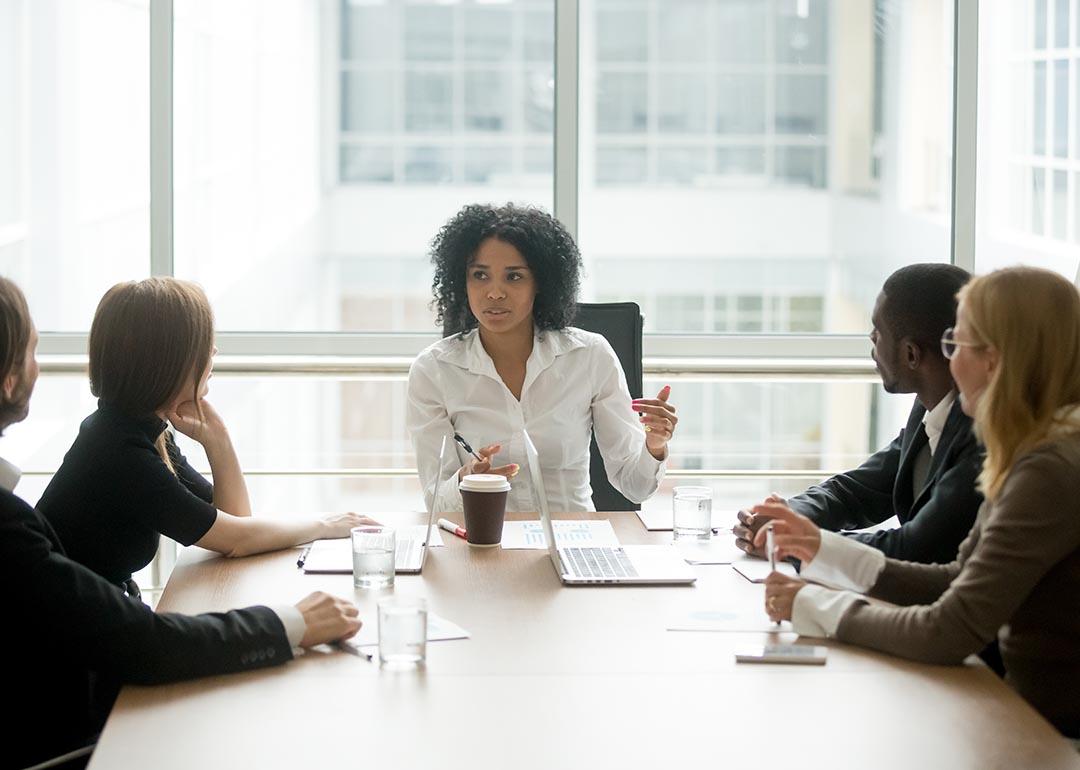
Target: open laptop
column 412, row 551
column 619, row 565
column 412, row 543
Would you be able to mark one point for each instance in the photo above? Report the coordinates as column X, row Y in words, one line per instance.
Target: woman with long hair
column 1015, row 356
column 124, row 482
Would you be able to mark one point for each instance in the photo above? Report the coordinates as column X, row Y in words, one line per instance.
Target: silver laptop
column 411, row 551
column 591, row 565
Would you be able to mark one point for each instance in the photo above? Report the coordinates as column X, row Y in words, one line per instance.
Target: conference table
column 559, row 677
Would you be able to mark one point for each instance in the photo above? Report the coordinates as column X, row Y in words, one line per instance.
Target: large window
column 74, row 152
column 748, row 171
column 1029, row 135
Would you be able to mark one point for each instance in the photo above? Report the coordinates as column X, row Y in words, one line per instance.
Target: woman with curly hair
column 507, row 279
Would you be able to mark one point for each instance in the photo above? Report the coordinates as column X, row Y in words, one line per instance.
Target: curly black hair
column 551, row 253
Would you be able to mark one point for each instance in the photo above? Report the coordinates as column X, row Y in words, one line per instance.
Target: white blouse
column 573, row 384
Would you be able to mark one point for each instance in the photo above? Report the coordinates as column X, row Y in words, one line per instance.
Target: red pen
column 452, row 528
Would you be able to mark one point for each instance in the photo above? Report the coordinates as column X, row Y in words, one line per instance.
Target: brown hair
column 147, row 339
column 1032, row 318
column 16, row 327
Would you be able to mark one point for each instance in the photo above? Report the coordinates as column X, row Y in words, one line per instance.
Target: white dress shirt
column 843, row 563
column 291, row 618
column 847, row 564
column 934, row 420
column 573, row 385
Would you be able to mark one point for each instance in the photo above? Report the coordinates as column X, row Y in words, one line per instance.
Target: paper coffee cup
column 483, row 496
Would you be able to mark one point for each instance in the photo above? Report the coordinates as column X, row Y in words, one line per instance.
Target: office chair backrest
column 621, row 325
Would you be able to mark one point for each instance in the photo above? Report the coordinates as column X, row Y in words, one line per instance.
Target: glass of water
column 373, row 550
column 402, row 631
column 692, row 513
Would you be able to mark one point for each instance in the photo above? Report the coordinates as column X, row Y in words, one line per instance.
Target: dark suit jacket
column 69, row 636
column 932, row 523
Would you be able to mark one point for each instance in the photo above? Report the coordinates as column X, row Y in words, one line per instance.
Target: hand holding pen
column 480, row 460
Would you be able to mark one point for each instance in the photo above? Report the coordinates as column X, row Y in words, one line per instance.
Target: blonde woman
column 1015, row 356
column 124, row 483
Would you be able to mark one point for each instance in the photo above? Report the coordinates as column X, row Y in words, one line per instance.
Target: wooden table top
column 556, row 677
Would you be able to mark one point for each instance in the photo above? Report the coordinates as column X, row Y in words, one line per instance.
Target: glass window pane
column 1061, row 205
column 367, row 164
column 686, row 165
column 429, row 33
column 801, row 165
column 488, row 33
column 621, row 103
column 682, row 34
column 621, row 165
column 438, row 107
column 367, row 101
column 428, row 102
column 740, row 31
column 622, row 34
column 1039, row 23
column 1038, row 201
column 74, row 153
column 801, row 104
column 740, row 104
column 1038, row 135
column 1061, row 108
column 369, row 32
column 802, row 32
column 810, row 147
column 487, row 165
column 487, row 101
column 1061, row 23
column 682, row 101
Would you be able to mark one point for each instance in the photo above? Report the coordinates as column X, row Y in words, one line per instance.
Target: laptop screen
column 540, row 498
column 434, row 501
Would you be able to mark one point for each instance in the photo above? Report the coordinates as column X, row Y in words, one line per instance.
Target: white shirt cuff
column 844, row 563
column 817, row 611
column 293, row 620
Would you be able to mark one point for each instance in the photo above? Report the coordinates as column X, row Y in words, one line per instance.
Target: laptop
column 615, row 565
column 335, row 556
column 412, row 551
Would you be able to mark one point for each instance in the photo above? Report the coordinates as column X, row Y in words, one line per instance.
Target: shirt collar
column 935, row 419
column 9, row 475
column 467, row 351
column 150, row 425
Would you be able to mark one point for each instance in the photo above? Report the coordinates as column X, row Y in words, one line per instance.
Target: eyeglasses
column 949, row 343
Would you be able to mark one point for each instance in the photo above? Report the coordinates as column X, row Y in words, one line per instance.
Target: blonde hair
column 147, row 339
column 1031, row 317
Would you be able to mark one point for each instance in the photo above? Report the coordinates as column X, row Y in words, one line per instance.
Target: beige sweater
column 1017, row 577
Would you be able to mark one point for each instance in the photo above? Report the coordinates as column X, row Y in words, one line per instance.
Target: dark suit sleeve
column 936, row 531
column 856, row 499
column 73, row 615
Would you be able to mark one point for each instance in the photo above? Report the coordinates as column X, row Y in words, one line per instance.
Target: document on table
column 439, row 629
column 660, row 519
column 756, row 570
column 335, row 556
column 727, row 620
column 530, row 534
column 718, row 550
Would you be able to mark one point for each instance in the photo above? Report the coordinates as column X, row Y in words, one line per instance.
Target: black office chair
column 621, row 325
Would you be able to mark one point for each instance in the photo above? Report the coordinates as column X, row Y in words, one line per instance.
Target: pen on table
column 452, row 528
column 303, row 557
column 352, row 649
column 466, row 447
column 770, row 546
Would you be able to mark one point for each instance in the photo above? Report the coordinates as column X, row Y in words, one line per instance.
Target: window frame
column 277, row 352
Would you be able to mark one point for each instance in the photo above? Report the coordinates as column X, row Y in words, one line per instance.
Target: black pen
column 303, row 557
column 466, row 447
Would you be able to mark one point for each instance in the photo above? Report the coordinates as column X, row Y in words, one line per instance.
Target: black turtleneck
column 114, row 496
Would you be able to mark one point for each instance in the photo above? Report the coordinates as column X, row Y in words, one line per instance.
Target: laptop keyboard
column 599, row 562
column 405, row 551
